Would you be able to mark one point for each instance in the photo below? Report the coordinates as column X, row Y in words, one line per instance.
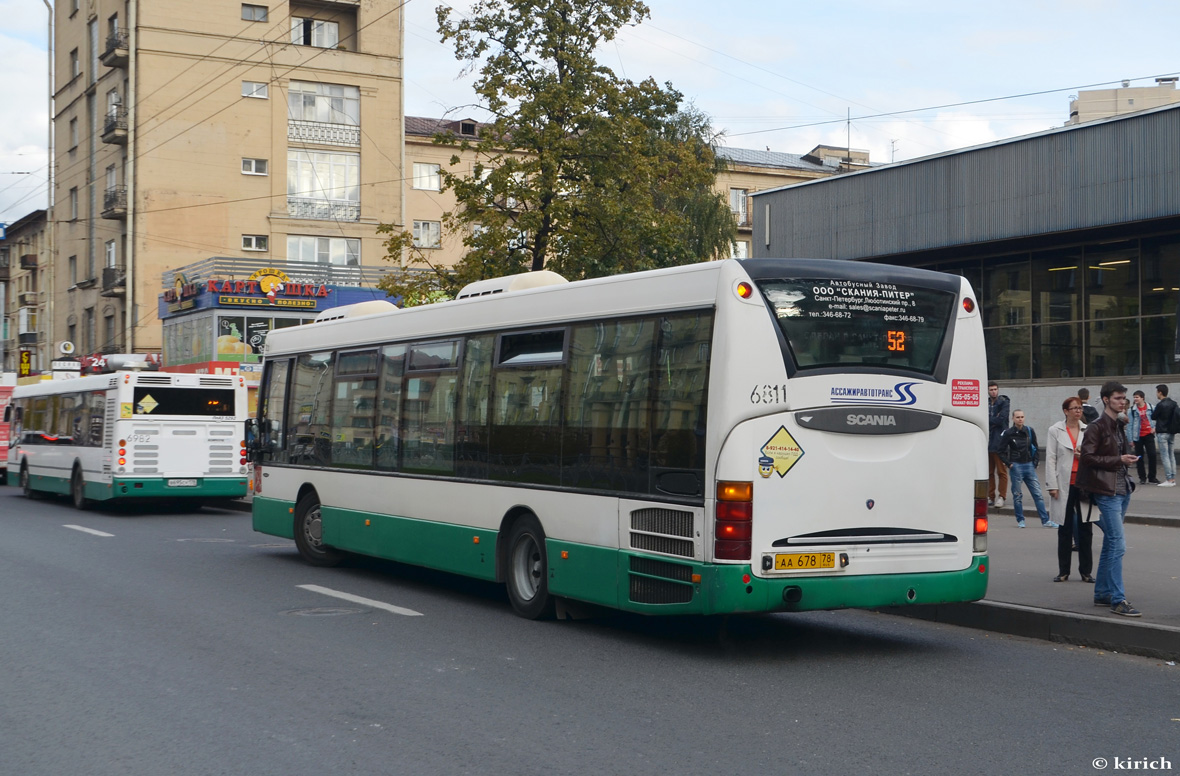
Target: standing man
column 1142, row 434
column 1102, row 472
column 1167, row 425
column 997, row 471
column 1018, row 449
column 1089, row 414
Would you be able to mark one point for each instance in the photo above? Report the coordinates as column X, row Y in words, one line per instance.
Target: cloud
column 23, row 136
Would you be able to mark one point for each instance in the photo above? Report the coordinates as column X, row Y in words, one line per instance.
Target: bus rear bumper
column 161, row 487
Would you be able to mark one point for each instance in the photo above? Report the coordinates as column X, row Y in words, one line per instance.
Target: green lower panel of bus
column 623, row 579
column 139, row 487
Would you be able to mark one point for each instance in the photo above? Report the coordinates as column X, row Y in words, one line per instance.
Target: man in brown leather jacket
column 1102, row 472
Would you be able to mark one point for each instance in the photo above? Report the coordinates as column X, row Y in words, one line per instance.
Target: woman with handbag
column 1061, row 470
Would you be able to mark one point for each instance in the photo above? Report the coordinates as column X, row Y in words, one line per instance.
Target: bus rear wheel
column 309, row 534
column 78, row 489
column 528, row 570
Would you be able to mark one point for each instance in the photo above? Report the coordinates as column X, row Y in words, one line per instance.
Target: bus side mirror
column 8, row 414
column 251, row 439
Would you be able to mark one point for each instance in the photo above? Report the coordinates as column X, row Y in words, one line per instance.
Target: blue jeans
column 1027, row 473
column 1168, row 454
column 1108, row 581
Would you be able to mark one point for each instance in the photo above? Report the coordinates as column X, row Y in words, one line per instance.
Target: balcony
column 323, row 209
column 27, row 338
column 114, row 127
column 117, row 49
column 114, row 281
column 323, row 133
column 28, row 261
column 114, row 203
column 5, row 275
column 27, row 299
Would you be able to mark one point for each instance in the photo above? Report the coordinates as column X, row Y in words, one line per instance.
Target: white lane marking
column 356, row 599
column 89, row 530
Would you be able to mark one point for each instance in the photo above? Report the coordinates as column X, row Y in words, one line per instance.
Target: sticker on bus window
column 783, row 451
column 964, row 393
column 125, row 410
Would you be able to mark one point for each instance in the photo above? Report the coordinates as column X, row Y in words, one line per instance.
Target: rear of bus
column 179, row 436
column 848, row 407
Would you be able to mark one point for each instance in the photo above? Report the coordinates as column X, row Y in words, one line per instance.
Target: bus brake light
column 981, row 525
column 968, row 304
column 734, row 527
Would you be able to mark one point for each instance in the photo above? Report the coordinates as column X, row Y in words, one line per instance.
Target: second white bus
column 130, row 435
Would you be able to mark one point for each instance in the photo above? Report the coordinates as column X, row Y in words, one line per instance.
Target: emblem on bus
column 783, row 452
column 765, row 465
column 870, row 503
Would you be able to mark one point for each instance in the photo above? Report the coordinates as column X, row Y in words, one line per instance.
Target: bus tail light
column 980, row 529
column 734, row 526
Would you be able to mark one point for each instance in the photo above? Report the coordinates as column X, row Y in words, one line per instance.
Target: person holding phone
column 1103, row 473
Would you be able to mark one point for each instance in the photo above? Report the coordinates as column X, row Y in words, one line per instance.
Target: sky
column 772, row 74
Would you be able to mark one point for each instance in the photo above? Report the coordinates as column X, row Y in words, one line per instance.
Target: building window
column 110, row 255
column 113, row 25
column 741, row 250
column 112, row 177
column 253, row 167
column 73, row 133
column 74, row 203
column 737, row 204
column 89, row 333
column 327, row 103
column 255, row 89
column 313, row 32
column 73, row 7
column 254, row 242
column 73, row 268
column 427, row 234
column 426, row 177
column 340, row 251
column 323, row 185
column 75, row 65
column 253, row 13
column 72, row 332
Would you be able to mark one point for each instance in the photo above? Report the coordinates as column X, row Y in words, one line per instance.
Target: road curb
column 1137, row 638
column 1167, row 522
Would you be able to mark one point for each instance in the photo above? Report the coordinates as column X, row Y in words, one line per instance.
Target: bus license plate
column 803, row 561
column 182, row 483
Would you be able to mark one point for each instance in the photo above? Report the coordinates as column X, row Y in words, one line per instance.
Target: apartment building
column 747, row 171
column 263, row 130
column 1103, row 103
column 24, row 268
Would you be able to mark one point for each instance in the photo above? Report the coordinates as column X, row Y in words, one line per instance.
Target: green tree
column 579, row 171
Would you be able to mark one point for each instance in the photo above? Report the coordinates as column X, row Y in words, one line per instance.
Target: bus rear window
column 157, row 400
column 842, row 323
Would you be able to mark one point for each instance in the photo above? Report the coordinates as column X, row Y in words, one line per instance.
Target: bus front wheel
column 528, row 568
column 309, row 533
column 78, row 489
column 26, row 482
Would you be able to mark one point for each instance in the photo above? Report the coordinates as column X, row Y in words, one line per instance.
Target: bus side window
column 678, row 429
column 309, row 411
column 97, row 400
column 271, row 412
column 471, row 434
column 353, row 409
column 391, row 369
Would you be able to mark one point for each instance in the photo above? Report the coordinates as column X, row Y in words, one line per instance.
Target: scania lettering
column 599, row 441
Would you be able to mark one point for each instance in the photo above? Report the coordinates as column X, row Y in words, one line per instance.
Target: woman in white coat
column 1061, row 469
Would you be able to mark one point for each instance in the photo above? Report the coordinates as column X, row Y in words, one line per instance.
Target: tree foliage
column 580, row 171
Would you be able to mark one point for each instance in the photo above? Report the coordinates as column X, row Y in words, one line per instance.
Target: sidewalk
column 1022, row 598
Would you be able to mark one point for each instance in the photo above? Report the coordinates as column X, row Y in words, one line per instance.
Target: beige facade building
column 1104, row 103
column 748, row 171
column 24, row 273
column 267, row 130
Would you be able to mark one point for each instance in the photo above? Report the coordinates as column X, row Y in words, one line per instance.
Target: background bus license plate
column 800, row 561
column 182, row 483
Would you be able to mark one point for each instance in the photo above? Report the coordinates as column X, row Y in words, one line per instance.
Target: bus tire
column 78, row 489
column 26, row 482
column 528, row 570
column 308, row 536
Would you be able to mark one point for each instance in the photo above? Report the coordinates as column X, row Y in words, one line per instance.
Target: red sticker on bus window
column 964, row 393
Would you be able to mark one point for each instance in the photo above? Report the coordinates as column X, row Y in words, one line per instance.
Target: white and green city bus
column 734, row 436
column 130, row 435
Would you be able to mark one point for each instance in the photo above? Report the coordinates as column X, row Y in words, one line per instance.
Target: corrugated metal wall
column 1097, row 174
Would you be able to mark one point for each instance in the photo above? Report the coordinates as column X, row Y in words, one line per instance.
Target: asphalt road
column 184, row 644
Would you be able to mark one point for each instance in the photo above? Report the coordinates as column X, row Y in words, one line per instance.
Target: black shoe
column 1087, row 578
column 1142, row 482
column 1124, row 608
column 1061, row 578
column 1154, row 482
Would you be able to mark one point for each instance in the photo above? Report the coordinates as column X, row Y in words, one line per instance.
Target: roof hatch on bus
column 509, row 283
